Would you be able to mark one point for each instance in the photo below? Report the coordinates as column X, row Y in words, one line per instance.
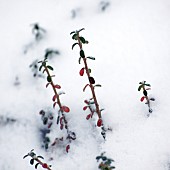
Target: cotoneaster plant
column 38, row 31
column 62, row 109
column 91, row 104
column 105, row 162
column 145, row 87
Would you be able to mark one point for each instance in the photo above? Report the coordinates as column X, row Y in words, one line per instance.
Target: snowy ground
column 130, row 40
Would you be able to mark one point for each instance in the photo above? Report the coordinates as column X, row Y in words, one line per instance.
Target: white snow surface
column 130, row 41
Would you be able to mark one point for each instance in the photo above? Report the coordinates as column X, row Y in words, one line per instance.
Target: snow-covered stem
column 56, row 99
column 56, row 94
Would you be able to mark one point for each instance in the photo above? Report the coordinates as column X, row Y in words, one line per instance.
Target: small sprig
column 142, row 85
column 91, row 81
column 105, row 163
column 56, row 97
column 38, row 31
column 36, row 159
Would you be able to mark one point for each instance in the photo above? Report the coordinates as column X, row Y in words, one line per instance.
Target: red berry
column 65, row 109
column 142, row 98
column 99, row 122
column 44, row 165
column 81, row 72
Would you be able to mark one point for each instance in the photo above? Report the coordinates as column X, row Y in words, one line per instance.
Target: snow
column 130, row 41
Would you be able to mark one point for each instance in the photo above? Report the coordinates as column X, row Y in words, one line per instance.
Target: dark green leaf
column 40, row 157
column 39, row 61
column 25, row 156
column 32, row 161
column 36, row 166
column 148, row 85
column 46, row 146
column 91, row 80
column 82, row 40
column 112, row 167
column 49, row 67
column 92, row 58
column 49, row 79
column 45, row 120
column 79, row 60
column 98, row 85
column 74, row 37
column 139, row 88
column 81, row 29
column 92, row 102
column 47, row 139
column 72, row 32
column 40, row 67
column 108, row 162
column 82, row 54
column 74, row 45
column 89, row 70
column 98, row 157
column 58, row 119
column 145, row 92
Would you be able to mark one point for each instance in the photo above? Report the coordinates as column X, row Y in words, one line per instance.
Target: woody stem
column 91, row 85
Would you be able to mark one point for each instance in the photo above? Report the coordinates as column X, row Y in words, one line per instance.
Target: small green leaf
column 36, row 166
column 91, row 80
column 145, row 92
column 101, row 110
column 39, row 61
column 32, row 161
column 25, row 156
column 74, row 45
column 147, row 85
column 40, row 157
column 139, row 88
column 98, row 157
column 49, row 67
column 79, row 60
column 49, row 79
column 112, row 167
column 45, row 120
column 82, row 54
column 98, row 85
column 72, row 32
column 82, row 40
column 81, row 29
column 40, row 67
column 89, row 70
column 92, row 58
column 74, row 37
